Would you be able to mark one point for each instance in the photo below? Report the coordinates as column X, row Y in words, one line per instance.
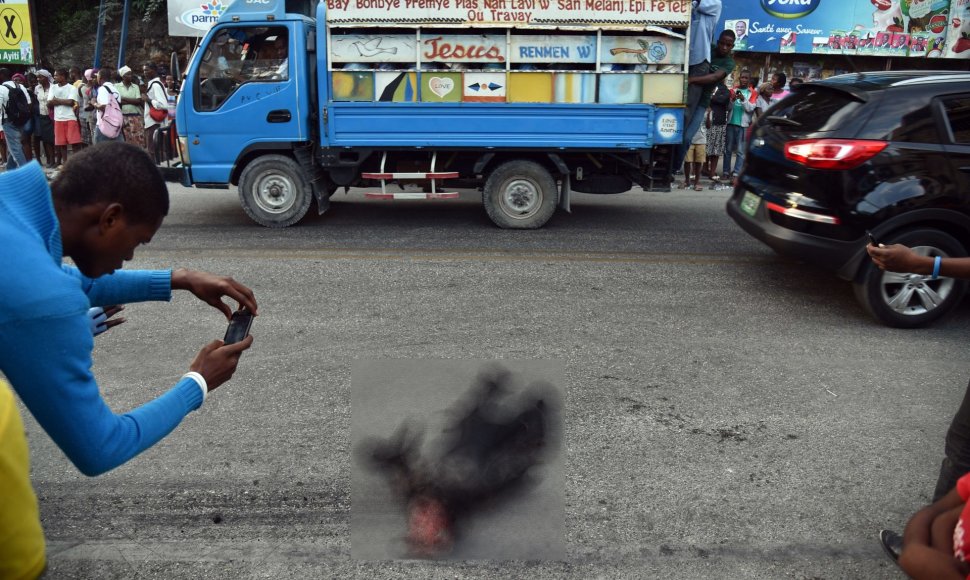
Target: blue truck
column 523, row 100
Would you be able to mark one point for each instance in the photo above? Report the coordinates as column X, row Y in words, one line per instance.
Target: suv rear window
column 816, row 109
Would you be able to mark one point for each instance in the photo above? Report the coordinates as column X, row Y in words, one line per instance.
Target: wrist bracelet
column 936, row 267
column 199, row 380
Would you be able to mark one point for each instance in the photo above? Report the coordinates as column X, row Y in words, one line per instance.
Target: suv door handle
column 278, row 116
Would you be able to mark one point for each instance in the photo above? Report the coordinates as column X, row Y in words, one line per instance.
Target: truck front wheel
column 520, row 195
column 274, row 191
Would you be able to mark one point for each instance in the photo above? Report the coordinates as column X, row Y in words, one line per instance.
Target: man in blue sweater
column 104, row 206
column 106, row 201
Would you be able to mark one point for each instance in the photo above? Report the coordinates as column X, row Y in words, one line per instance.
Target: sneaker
column 892, row 544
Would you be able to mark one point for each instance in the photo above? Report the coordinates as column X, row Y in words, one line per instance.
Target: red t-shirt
column 961, row 542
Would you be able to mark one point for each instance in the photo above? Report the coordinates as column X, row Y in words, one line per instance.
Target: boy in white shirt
column 65, row 99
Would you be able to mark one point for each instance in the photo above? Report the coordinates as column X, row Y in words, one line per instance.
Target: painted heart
column 441, row 86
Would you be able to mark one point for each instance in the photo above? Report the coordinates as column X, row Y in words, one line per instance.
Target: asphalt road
column 728, row 413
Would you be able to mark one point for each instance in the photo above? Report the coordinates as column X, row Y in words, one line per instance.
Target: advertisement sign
column 511, row 12
column 897, row 28
column 194, row 17
column 16, row 40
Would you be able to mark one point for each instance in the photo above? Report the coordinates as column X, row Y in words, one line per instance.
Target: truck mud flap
column 176, row 175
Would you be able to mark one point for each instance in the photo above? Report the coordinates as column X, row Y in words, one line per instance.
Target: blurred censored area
column 457, row 460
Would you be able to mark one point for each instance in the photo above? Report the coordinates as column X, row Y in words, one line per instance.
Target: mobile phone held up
column 872, row 238
column 239, row 325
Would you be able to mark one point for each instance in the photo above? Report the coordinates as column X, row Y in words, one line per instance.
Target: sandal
column 698, row 187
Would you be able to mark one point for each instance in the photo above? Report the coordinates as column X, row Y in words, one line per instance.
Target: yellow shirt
column 21, row 537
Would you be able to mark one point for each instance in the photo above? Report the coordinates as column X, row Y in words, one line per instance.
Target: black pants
column 957, row 450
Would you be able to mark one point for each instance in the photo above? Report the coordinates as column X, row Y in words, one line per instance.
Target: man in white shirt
column 65, row 99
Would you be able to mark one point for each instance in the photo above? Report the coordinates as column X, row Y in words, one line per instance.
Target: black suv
column 887, row 152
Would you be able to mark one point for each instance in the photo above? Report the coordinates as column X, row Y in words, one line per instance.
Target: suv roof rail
column 934, row 78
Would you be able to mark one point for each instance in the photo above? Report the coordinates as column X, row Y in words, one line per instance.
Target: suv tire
column 911, row 300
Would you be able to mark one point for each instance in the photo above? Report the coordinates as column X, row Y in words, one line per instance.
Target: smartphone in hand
column 872, row 238
column 239, row 325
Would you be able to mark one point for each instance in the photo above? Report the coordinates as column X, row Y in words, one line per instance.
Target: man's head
column 4, row 74
column 725, row 43
column 60, row 76
column 109, row 198
column 150, row 70
column 778, row 81
column 744, row 78
column 75, row 73
column 795, row 83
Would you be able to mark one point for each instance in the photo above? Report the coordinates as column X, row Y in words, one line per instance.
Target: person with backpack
column 156, row 107
column 108, row 106
column 14, row 112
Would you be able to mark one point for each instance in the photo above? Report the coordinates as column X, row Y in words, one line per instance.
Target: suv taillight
column 832, row 153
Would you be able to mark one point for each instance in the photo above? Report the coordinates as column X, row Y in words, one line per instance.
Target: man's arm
column 708, row 79
column 48, row 362
column 708, row 7
column 899, row 258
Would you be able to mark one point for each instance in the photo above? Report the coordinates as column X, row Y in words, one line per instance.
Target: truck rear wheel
column 274, row 191
column 520, row 195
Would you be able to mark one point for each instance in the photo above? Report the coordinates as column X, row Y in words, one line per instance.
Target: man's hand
column 211, row 289
column 100, row 318
column 899, row 258
column 216, row 362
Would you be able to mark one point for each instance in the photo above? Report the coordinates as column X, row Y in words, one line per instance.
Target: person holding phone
column 956, row 463
column 105, row 202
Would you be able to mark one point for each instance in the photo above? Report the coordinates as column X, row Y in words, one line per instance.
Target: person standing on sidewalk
column 956, row 461
column 66, row 100
column 132, row 107
column 739, row 118
column 12, row 133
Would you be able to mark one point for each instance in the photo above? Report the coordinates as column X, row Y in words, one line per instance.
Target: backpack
column 111, row 118
column 17, row 110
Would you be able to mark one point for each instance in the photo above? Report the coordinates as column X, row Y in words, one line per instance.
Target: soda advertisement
column 16, row 39
column 899, row 28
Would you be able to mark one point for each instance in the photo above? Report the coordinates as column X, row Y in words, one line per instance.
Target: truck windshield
column 238, row 55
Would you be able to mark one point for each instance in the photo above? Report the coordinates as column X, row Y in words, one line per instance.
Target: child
column 936, row 543
column 696, row 158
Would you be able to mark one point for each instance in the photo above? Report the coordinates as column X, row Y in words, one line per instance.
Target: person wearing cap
column 45, row 123
column 132, row 107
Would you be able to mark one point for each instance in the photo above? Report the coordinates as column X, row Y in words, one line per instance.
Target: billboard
column 194, row 17
column 898, row 28
column 16, row 38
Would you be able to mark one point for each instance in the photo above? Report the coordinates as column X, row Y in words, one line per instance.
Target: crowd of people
column 67, row 110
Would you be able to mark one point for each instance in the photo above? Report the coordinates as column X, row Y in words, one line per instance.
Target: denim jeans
column 693, row 114
column 15, row 149
column 734, row 145
column 957, row 449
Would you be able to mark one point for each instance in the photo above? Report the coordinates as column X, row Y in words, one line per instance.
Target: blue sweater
column 46, row 342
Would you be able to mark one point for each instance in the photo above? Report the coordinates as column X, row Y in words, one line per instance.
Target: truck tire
column 911, row 300
column 274, row 191
column 520, row 195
